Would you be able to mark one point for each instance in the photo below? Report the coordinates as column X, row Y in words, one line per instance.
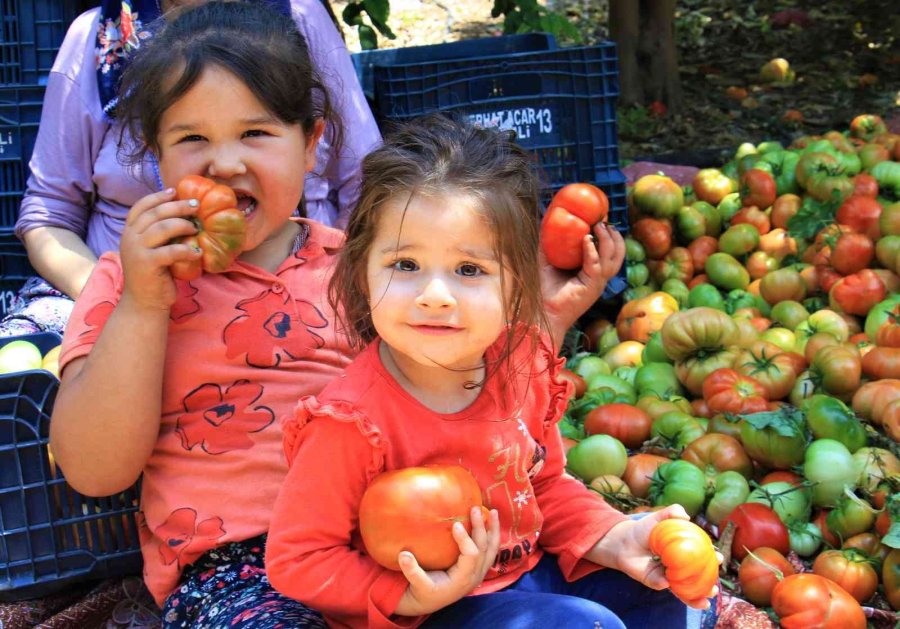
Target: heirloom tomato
column 654, row 234
column 756, row 525
column 711, row 185
column 851, row 516
column 768, row 365
column 828, row 464
column 221, row 227
column 595, row 456
column 861, row 214
column 882, row 362
column 726, row 272
column 852, row 252
column 658, row 196
column 752, row 215
column 688, row 556
column 838, row 367
column 639, row 472
column 829, row 418
column 729, row 490
column 776, row 439
column 808, row 600
column 572, row 212
column 715, row 453
column 849, row 569
column 727, row 391
column 639, row 318
column 757, row 188
column 759, row 574
column 695, row 331
column 784, row 208
column 625, row 422
column 679, row 482
column 414, row 509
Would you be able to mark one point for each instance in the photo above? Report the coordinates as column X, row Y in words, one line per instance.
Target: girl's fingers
column 170, row 209
column 168, row 255
column 147, row 203
column 467, row 547
column 413, row 572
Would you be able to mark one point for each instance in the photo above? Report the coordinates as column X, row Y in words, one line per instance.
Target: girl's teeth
column 250, row 208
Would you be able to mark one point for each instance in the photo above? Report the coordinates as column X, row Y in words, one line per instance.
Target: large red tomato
column 572, row 212
column 756, row 525
column 414, row 509
column 625, row 422
column 758, row 575
column 808, row 600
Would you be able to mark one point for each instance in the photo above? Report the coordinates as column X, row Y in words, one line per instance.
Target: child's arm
column 107, row 412
column 626, row 547
column 567, row 296
column 309, row 552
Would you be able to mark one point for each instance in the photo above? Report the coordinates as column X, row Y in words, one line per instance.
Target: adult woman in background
column 79, row 192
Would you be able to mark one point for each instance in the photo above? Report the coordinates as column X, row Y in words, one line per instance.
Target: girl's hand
column 434, row 590
column 567, row 296
column 626, row 547
column 147, row 251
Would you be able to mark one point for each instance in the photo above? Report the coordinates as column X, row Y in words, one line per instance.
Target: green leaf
column 812, row 217
column 892, row 538
column 352, row 14
column 368, row 40
column 378, row 10
column 787, row 421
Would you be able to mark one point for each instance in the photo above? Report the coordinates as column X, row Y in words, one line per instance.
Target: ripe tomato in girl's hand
column 221, row 227
column 572, row 212
column 414, row 509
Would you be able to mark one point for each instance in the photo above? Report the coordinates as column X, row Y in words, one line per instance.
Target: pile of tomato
column 752, row 373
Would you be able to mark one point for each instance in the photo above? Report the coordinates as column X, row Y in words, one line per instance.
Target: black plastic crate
column 50, row 535
column 20, row 115
column 366, row 61
column 30, row 35
column 561, row 102
column 14, row 269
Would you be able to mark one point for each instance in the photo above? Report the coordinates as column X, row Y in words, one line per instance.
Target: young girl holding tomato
column 183, row 382
column 439, row 281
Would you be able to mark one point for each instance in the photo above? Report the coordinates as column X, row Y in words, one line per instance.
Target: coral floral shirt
column 365, row 423
column 242, row 347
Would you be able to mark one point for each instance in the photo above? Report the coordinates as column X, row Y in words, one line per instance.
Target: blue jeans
column 542, row 598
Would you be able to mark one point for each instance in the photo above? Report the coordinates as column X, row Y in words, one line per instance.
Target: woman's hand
column 147, row 249
column 567, row 296
column 626, row 547
column 434, row 590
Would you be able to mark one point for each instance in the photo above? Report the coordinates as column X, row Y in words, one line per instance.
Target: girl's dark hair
column 433, row 155
column 259, row 45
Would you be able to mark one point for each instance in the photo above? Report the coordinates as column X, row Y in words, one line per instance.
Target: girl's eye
column 470, row 270
column 254, row 133
column 405, row 266
column 191, row 138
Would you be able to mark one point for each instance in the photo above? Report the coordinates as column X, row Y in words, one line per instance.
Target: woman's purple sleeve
column 333, row 187
column 60, row 188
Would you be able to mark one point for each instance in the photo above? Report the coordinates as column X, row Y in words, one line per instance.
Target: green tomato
column 706, row 295
column 729, row 490
column 828, row 464
column 608, row 340
column 595, row 456
column 657, row 379
column 679, row 482
column 784, row 170
column 739, row 240
column 805, row 538
column 782, row 337
column 712, row 218
column 677, row 289
column 879, row 314
column 634, row 250
column 789, row 313
column 605, row 381
column 636, row 292
column 738, row 299
column 690, row 223
column 829, row 418
column 637, row 274
column 653, row 351
column 726, row 272
column 591, row 365
column 769, row 147
column 850, row 516
column 677, row 429
column 729, row 206
column 792, row 503
column 776, row 440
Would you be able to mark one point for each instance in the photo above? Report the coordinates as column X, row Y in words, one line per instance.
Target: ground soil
column 845, row 55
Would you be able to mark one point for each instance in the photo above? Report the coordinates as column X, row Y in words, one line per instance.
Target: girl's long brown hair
column 436, row 154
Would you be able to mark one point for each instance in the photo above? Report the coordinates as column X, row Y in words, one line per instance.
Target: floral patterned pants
column 227, row 587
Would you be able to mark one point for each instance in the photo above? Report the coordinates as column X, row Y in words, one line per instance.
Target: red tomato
column 701, row 248
column 865, row 185
column 414, row 509
column 849, row 569
column 625, row 422
column 752, row 215
column 655, row 235
column 852, row 253
column 784, row 208
column 572, row 212
column 857, row 293
column 757, row 188
column 714, row 453
column 576, row 380
column 861, row 214
column 827, row 535
column 758, row 574
column 781, row 476
column 727, row 391
column 882, row 362
column 808, row 600
column 756, row 525
column 639, row 472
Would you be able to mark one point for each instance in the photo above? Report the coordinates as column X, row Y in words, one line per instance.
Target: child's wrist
column 607, row 550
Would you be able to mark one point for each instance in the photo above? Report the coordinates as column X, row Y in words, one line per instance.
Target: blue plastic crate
column 30, row 35
column 14, row 269
column 366, row 61
column 20, row 115
column 50, row 535
column 561, row 102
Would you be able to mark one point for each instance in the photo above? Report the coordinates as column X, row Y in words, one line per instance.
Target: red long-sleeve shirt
column 365, row 423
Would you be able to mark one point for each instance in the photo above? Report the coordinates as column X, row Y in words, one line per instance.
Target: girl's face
column 434, row 284
column 219, row 129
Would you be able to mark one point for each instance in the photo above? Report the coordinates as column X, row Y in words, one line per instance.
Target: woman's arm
column 61, row 257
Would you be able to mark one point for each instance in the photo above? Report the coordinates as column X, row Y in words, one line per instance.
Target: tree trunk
column 644, row 32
